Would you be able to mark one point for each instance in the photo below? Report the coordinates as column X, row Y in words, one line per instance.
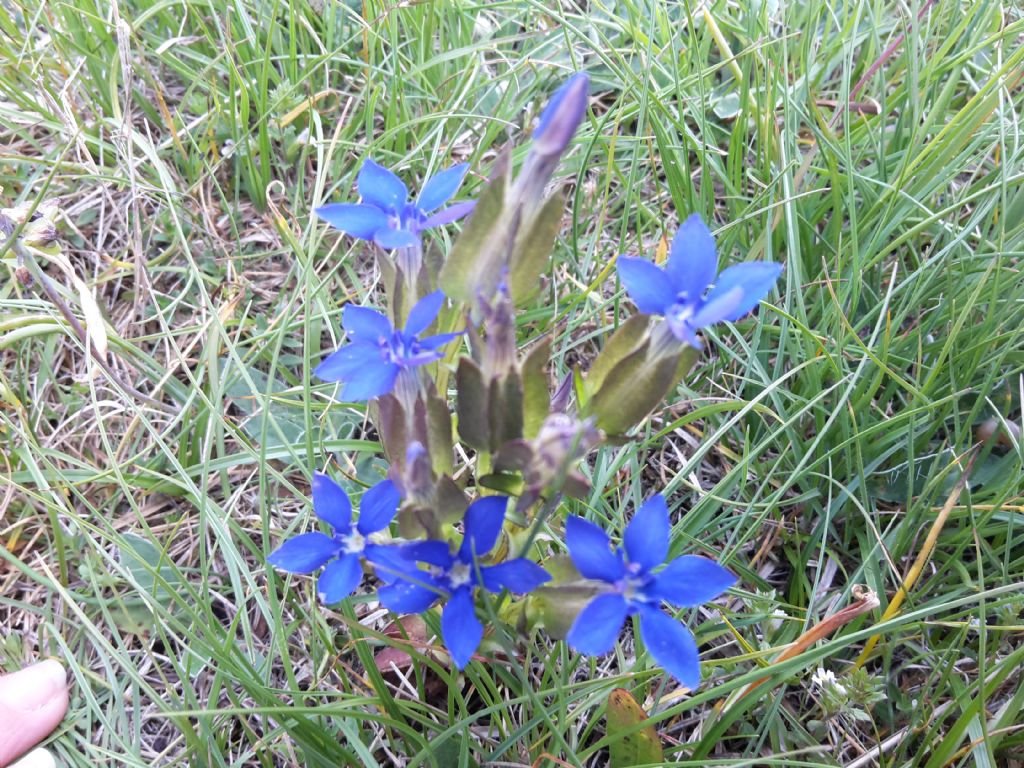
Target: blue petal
column 303, row 553
column 433, row 342
column 360, row 221
column 371, row 381
column 404, row 596
column 441, row 187
column 693, row 259
column 671, row 645
column 389, row 239
column 689, row 581
column 519, row 576
column 431, row 552
column 684, row 330
column 348, row 360
column 423, row 313
column 596, row 628
column 590, row 553
column 339, row 579
column 647, row 285
column 364, row 323
column 388, row 562
column 453, row 212
column 482, row 526
column 460, row 628
column 331, row 503
column 720, row 307
column 421, row 357
column 378, row 507
column 756, row 278
column 379, row 186
column 647, row 535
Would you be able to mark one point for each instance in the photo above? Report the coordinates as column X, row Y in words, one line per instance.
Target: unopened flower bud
column 562, row 440
column 499, row 349
column 556, row 127
column 416, row 481
column 562, row 116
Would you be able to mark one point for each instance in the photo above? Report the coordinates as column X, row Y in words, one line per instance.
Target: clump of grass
column 188, row 144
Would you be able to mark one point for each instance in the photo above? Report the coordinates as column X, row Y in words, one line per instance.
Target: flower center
column 682, row 310
column 631, row 585
column 399, row 348
column 459, row 574
column 353, row 543
column 410, row 218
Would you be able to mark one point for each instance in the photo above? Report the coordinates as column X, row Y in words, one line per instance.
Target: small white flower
column 825, row 680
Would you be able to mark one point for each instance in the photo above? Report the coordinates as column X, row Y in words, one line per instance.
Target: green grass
column 810, row 450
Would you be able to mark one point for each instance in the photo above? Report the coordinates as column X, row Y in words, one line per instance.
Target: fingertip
column 37, row 758
column 33, row 701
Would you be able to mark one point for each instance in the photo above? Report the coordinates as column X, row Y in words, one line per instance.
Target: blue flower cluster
column 632, row 580
column 416, row 575
column 408, row 588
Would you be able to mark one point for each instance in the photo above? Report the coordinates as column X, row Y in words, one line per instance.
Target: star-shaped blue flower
column 387, row 217
column 370, row 363
column 633, row 587
column 457, row 576
column 343, row 552
column 678, row 291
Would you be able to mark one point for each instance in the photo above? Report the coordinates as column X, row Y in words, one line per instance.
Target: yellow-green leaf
column 629, row 744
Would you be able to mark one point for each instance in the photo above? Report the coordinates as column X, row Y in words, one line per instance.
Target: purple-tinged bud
column 499, row 357
column 562, row 116
column 548, row 463
column 558, row 122
column 563, row 440
column 416, row 482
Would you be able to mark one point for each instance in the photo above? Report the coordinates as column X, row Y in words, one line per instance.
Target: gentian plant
column 483, row 421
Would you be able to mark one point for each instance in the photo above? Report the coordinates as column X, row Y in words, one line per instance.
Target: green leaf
column 439, row 431
column 624, row 341
column 472, row 405
column 533, row 249
column 148, row 567
column 475, row 262
column 449, row 752
column 505, row 410
column 536, row 393
column 508, row 483
column 633, row 389
column 635, row 747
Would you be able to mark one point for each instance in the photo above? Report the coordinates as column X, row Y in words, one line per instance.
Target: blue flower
column 387, row 217
column 678, row 291
column 562, row 115
column 370, row 363
column 686, row 582
column 350, row 543
column 456, row 577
